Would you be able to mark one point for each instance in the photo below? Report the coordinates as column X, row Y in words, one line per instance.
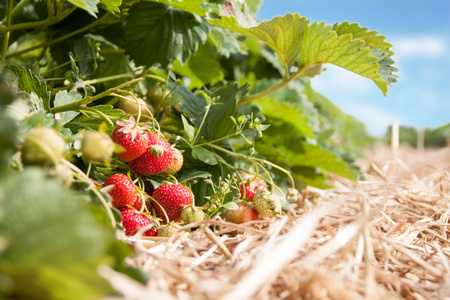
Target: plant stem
column 93, row 189
column 279, row 86
column 15, row 10
column 201, row 124
column 252, row 158
column 6, row 35
column 39, row 24
column 220, row 139
column 60, row 39
column 97, row 112
column 109, row 78
column 155, row 77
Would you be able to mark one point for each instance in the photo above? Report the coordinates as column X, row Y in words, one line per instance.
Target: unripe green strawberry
column 43, row 145
column 172, row 198
column 96, row 146
column 267, row 205
column 156, row 96
column 123, row 193
column 132, row 221
column 191, row 214
column 167, row 230
column 147, row 164
column 177, row 162
column 130, row 106
column 244, row 213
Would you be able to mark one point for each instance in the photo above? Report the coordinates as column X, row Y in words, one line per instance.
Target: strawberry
column 249, row 191
column 177, row 162
column 159, row 99
column 156, row 158
column 132, row 221
column 191, row 214
column 167, row 230
column 130, row 106
column 43, row 145
column 172, row 198
column 132, row 138
column 123, row 192
column 251, row 185
column 267, row 205
column 96, row 146
column 139, row 202
column 244, row 213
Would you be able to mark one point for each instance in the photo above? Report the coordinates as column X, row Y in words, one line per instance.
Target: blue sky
column 420, row 33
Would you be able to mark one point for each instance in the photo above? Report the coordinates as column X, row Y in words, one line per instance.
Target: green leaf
column 380, row 48
column 230, row 205
column 190, row 6
column 282, row 34
column 321, row 44
column 158, row 34
column 55, row 244
column 315, row 156
column 278, row 112
column 65, row 97
column 114, row 62
column 202, row 68
column 74, row 73
column 218, row 122
column 204, row 155
column 224, row 41
column 93, row 122
column 188, row 129
column 88, row 5
column 111, row 5
column 189, row 175
column 31, row 83
column 371, row 38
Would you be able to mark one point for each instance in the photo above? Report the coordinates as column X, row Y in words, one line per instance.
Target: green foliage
column 235, row 96
column 157, row 34
column 282, row 34
column 30, row 83
column 54, row 245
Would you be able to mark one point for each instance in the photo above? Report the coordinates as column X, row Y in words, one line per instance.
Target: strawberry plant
column 197, row 102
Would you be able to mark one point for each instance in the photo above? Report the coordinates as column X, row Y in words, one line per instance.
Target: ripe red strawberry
column 156, row 158
column 191, row 214
column 132, row 138
column 132, row 221
column 177, row 162
column 139, row 202
column 244, row 213
column 96, row 146
column 251, row 185
column 172, row 198
column 249, row 191
column 123, row 193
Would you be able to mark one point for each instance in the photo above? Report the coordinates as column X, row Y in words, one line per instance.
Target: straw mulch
column 384, row 237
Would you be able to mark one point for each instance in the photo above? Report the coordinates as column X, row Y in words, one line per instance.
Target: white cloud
column 427, row 45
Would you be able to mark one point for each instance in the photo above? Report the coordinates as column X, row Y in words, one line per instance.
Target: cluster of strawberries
column 257, row 201
column 147, row 154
